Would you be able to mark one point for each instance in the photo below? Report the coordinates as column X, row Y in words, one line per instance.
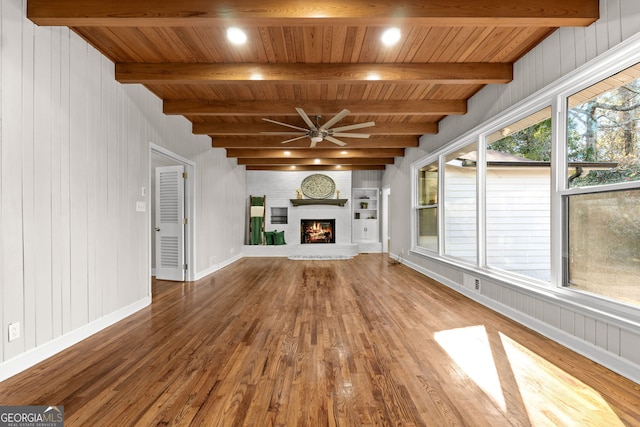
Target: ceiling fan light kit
column 317, row 138
column 318, row 133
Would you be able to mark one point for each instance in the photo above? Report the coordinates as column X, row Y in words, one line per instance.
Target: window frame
column 564, row 192
column 443, row 158
column 518, row 115
column 416, row 207
column 554, row 95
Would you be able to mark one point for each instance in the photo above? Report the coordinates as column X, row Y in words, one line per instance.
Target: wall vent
column 471, row 282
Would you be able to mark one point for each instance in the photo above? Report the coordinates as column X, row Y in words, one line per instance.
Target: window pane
column 518, row 197
column 460, row 224
column 427, row 212
column 428, row 228
column 428, row 185
column 604, row 244
column 603, row 128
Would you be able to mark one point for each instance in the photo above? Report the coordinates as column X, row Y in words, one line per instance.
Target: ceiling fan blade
column 313, row 143
column 306, row 119
column 283, row 133
column 335, row 141
column 285, row 124
column 293, row 139
column 355, row 126
column 351, row 135
column 341, row 115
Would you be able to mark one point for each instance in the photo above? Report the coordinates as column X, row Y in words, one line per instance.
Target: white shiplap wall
column 74, row 156
column 602, row 336
column 220, row 208
column 367, row 179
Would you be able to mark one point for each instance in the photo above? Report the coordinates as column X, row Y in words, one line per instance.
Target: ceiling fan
column 318, row 133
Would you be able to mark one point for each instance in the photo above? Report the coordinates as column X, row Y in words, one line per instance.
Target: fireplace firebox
column 317, row 231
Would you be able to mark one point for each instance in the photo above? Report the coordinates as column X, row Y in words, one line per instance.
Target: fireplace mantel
column 305, row 202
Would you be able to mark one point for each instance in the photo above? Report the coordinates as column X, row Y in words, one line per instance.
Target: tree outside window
column 603, row 128
column 603, row 225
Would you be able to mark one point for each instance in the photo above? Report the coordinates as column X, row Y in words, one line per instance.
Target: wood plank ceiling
column 322, row 56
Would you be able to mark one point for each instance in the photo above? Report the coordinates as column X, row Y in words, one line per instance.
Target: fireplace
column 317, row 231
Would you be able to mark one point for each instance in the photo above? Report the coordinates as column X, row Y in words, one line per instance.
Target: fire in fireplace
column 317, row 231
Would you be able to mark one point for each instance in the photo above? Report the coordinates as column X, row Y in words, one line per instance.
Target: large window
column 603, row 215
column 518, row 207
column 548, row 197
column 604, row 244
column 460, row 205
column 603, row 128
column 427, row 207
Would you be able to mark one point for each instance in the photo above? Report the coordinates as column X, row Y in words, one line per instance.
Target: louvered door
column 170, row 223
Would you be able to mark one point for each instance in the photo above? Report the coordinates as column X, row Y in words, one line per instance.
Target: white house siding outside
column 519, row 220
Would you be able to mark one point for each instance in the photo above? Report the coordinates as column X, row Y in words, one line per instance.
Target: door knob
column 156, row 228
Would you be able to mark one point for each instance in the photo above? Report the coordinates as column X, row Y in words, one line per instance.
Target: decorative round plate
column 318, row 186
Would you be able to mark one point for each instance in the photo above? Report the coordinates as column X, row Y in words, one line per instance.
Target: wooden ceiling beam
column 138, row 13
column 198, row 73
column 320, row 161
column 274, row 142
column 201, row 107
column 243, row 129
column 311, row 52
column 314, row 153
column 299, row 168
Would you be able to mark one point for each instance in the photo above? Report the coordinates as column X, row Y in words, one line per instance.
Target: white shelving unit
column 365, row 218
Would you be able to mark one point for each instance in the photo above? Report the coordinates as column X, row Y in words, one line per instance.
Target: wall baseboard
column 38, row 354
column 215, row 267
column 609, row 360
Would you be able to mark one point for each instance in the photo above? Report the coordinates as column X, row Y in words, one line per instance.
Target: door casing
column 190, row 203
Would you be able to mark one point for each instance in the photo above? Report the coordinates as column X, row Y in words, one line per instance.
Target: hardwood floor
column 269, row 341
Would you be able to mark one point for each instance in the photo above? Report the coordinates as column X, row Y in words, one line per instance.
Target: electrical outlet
column 476, row 285
column 14, row 331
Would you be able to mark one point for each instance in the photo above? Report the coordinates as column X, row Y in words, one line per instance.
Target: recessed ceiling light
column 391, row 36
column 293, row 167
column 344, row 152
column 287, row 153
column 316, row 161
column 236, row 35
